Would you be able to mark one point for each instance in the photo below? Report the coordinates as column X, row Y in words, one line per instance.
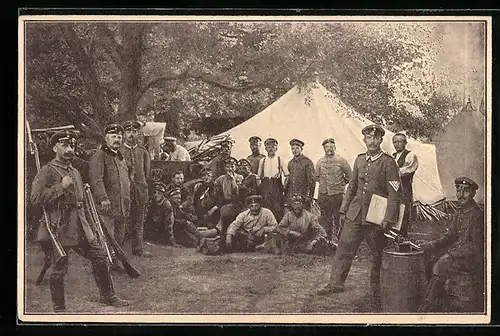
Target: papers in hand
column 377, row 209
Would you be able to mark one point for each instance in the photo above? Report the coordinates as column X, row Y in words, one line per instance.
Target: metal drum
column 465, row 293
column 402, row 280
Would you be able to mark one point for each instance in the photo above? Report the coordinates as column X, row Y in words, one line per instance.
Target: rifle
column 400, row 239
column 120, row 254
column 90, row 205
column 59, row 250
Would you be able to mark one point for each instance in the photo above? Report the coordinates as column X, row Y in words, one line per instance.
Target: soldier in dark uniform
column 250, row 183
column 375, row 172
column 59, row 188
column 217, row 164
column 160, row 218
column 256, row 156
column 464, row 246
column 110, row 184
column 139, row 164
column 302, row 179
column 205, row 200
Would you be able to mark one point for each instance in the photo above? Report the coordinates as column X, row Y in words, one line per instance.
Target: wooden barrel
column 402, row 280
column 465, row 293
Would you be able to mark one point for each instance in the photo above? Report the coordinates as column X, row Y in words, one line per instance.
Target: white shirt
column 180, row 154
column 410, row 165
column 268, row 167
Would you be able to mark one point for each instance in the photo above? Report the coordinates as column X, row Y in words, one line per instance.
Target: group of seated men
column 229, row 207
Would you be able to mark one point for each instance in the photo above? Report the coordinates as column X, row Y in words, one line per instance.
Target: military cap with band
column 160, row 186
column 131, row 125
column 206, row 170
column 297, row 198
column 271, row 141
column 374, row 130
column 65, row 136
column 170, row 138
column 254, row 199
column 230, row 160
column 243, row 162
column 465, row 181
column 254, row 139
column 329, row 140
column 174, row 191
column 297, row 142
column 227, row 143
column 114, row 129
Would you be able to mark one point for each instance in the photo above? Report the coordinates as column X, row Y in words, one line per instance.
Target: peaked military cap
column 374, row 130
column 465, row 181
column 169, row 138
column 65, row 136
column 254, row 199
column 298, row 198
column 174, row 191
column 131, row 125
column 113, row 129
column 271, row 141
column 227, row 143
column 206, row 170
column 329, row 140
column 230, row 160
column 297, row 142
column 243, row 162
column 160, row 186
column 254, row 139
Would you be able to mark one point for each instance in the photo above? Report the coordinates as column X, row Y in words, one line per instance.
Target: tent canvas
column 460, row 151
column 315, row 114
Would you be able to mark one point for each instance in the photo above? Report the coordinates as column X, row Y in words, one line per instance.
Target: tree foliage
column 93, row 73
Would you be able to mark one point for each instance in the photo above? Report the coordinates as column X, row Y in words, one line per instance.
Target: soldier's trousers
column 351, row 237
column 271, row 190
column 116, row 227
column 330, row 215
column 100, row 268
column 136, row 223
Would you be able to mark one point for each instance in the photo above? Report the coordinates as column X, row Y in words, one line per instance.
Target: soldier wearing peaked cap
column 272, row 171
column 464, row 253
column 332, row 173
column 139, row 166
column 59, row 188
column 110, row 183
column 374, row 172
column 250, row 183
column 160, row 217
column 217, row 163
column 301, row 179
column 204, row 199
column 256, row 156
column 175, row 151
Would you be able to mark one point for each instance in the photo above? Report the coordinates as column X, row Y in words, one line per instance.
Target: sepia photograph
column 254, row 169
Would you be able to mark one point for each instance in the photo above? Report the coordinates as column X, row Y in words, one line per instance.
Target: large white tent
column 315, row 114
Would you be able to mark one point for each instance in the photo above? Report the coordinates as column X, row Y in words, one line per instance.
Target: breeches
column 351, row 237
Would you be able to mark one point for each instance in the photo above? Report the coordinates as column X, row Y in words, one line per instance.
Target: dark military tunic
column 302, row 177
column 217, row 166
column 160, row 222
column 64, row 206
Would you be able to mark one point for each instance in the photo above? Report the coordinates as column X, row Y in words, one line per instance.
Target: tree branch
column 113, row 49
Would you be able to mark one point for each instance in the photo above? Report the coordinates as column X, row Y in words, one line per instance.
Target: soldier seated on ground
column 464, row 251
column 299, row 230
column 250, row 227
column 204, row 200
column 177, row 181
column 185, row 231
column 159, row 224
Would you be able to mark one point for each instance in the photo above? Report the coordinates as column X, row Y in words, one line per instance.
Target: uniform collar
column 374, row 157
column 59, row 164
column 472, row 205
column 128, row 146
column 298, row 158
column 108, row 150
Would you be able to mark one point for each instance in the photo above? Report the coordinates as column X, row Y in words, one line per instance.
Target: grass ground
column 184, row 281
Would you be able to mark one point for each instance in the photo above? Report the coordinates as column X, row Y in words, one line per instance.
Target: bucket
column 465, row 293
column 402, row 280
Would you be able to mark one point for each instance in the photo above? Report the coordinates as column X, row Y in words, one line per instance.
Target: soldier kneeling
column 250, row 227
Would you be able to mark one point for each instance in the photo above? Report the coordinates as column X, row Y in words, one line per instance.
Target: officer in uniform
column 375, row 172
column 464, row 248
column 59, row 188
column 139, row 164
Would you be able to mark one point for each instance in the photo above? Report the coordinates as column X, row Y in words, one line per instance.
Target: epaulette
column 361, row 154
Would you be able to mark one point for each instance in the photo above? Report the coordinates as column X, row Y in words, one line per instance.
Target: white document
column 377, row 209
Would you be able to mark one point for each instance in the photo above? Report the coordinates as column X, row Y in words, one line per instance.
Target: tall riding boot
column 104, row 282
column 57, row 293
column 432, row 295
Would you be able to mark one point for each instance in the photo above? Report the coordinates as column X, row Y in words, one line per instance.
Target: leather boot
column 432, row 295
column 57, row 294
column 104, row 282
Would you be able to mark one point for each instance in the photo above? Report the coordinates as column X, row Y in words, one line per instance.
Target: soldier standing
column 374, row 172
column 138, row 162
column 301, row 179
column 59, row 188
column 110, row 184
column 464, row 245
column 256, row 156
column 408, row 163
column 217, row 164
